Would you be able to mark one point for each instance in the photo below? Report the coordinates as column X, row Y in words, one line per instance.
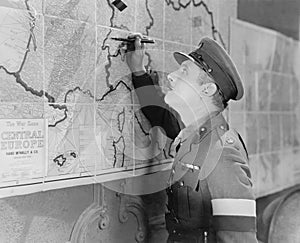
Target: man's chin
column 170, row 99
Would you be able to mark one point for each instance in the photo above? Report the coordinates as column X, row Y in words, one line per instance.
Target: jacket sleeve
column 232, row 198
column 154, row 107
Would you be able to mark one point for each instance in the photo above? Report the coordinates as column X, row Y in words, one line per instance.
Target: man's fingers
column 122, row 47
column 134, row 35
column 123, row 50
column 137, row 43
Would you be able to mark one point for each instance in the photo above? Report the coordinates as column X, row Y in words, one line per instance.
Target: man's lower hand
column 135, row 58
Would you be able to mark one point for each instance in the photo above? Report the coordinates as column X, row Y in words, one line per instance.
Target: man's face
column 184, row 85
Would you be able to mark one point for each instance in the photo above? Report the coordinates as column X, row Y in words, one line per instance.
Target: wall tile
column 150, row 18
column 33, row 5
column 294, row 93
column 278, row 61
column 204, row 16
column 277, row 88
column 251, row 133
column 250, row 90
column 70, row 48
column 15, row 44
column 263, row 133
column 28, row 110
column 285, row 94
column 237, row 120
column 271, row 105
column 83, row 10
column 238, row 106
column 64, row 157
column 273, row 173
column 154, row 56
column 175, row 20
column 253, row 166
column 110, row 69
column 296, row 168
column 264, row 85
column 287, row 127
column 238, row 52
column 275, row 132
column 226, row 10
column 266, row 172
column 8, row 83
column 114, row 135
column 266, row 48
column 295, row 130
column 286, row 169
column 288, row 57
column 108, row 15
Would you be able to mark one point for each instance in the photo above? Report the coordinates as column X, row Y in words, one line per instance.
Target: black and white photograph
column 150, row 121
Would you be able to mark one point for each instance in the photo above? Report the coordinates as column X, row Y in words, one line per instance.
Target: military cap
column 215, row 61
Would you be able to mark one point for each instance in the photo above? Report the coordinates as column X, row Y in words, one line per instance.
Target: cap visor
column 180, row 57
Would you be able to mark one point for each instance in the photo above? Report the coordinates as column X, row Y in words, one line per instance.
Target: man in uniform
column 210, row 195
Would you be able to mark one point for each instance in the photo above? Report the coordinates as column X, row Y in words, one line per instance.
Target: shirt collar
column 202, row 126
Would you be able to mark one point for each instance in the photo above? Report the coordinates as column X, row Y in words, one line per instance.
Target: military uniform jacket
column 210, row 187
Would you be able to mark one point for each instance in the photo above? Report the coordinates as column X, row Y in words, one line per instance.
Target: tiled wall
column 279, row 15
column 268, row 116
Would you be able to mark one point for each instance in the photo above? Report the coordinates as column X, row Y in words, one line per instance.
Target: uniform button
column 222, row 127
column 174, row 231
column 173, row 171
column 202, row 130
column 181, row 183
column 229, row 141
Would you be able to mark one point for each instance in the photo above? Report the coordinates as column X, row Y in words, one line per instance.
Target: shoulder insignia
column 229, row 137
column 233, row 140
column 230, row 140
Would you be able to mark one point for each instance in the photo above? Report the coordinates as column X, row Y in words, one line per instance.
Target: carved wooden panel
column 112, row 218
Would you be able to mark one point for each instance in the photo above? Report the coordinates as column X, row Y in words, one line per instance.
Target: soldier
column 210, row 195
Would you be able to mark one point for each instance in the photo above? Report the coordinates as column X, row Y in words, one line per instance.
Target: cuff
column 142, row 80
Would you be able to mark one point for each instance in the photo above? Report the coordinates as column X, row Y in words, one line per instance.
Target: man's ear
column 208, row 89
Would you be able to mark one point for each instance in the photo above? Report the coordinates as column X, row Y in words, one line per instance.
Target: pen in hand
column 144, row 40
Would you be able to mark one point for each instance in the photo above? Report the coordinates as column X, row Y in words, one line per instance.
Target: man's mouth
column 170, row 88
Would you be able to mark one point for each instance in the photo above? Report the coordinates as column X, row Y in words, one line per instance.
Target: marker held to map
column 144, row 40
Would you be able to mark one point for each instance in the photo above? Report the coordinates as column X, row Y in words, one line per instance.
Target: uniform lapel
column 195, row 143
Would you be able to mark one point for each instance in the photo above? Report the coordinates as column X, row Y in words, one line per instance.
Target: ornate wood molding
column 133, row 205
column 97, row 222
column 94, row 213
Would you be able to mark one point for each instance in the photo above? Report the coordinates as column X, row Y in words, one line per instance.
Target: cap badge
column 229, row 141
